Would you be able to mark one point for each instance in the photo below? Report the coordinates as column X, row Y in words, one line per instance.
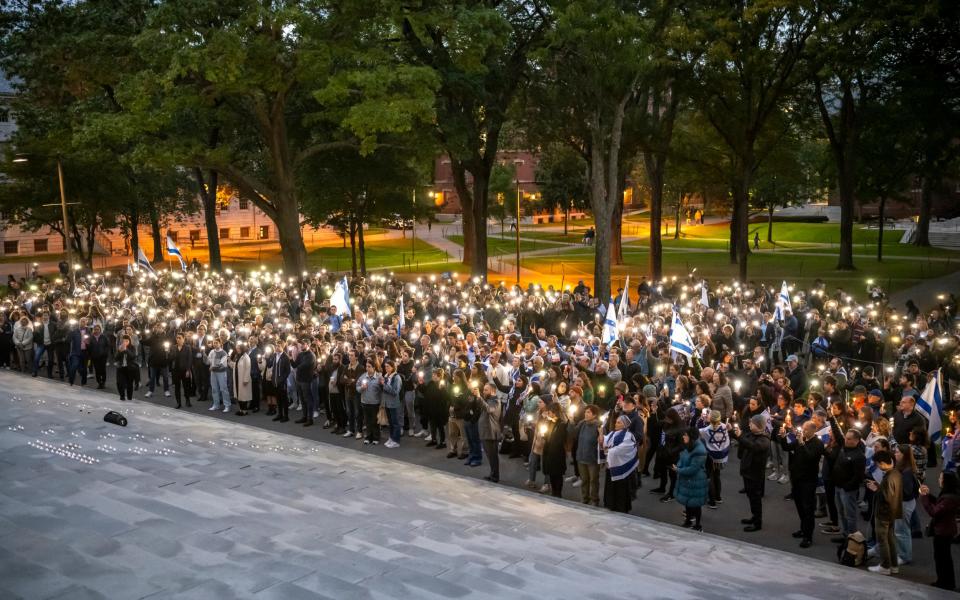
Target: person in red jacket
column 943, row 510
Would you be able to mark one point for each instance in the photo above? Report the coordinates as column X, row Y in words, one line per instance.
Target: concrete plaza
column 179, row 505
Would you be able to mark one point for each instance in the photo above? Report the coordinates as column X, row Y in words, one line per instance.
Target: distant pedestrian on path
column 756, row 240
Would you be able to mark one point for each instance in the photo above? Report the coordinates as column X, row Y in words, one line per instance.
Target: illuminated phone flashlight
column 543, row 428
column 529, row 418
column 572, row 410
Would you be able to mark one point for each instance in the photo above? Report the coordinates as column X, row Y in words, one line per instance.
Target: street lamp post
column 63, row 208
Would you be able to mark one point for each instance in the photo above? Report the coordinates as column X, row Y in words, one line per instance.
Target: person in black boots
column 98, row 348
column 126, row 361
column 805, row 450
column 436, row 403
column 181, row 365
column 281, row 371
column 668, row 453
column 754, row 450
column 306, row 370
column 256, row 368
column 201, row 370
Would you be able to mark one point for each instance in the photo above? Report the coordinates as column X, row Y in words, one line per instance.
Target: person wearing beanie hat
column 754, row 450
column 691, row 490
column 649, row 391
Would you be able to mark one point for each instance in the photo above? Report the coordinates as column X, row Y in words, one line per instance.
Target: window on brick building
column 40, row 245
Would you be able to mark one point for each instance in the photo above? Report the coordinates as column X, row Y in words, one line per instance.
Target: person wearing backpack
column 943, row 510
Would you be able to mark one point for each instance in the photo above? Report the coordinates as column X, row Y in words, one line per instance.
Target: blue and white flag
column 341, row 297
column 704, row 299
column 610, row 326
column 172, row 249
column 783, row 302
column 403, row 319
column 680, row 340
column 622, row 456
column 129, row 269
column 824, row 434
column 873, row 469
column 951, row 450
column 930, row 405
column 624, row 301
column 143, row 262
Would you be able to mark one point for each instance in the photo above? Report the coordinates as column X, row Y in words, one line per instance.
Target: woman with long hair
column 943, row 511
column 691, row 489
column 910, row 487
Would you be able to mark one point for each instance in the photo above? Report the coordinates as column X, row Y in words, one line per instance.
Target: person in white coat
column 23, row 342
column 242, row 382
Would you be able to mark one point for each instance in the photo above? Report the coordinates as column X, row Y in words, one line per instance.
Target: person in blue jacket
column 692, row 486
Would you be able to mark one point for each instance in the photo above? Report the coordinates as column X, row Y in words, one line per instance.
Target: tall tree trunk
column 134, row 219
column 208, row 197
column 481, row 184
column 361, row 247
column 654, row 168
column 923, row 222
column 466, row 210
column 616, row 232
column 676, row 230
column 353, row 246
column 566, row 219
column 287, row 220
column 770, row 223
column 880, row 217
column 847, row 184
column 155, row 231
column 739, row 225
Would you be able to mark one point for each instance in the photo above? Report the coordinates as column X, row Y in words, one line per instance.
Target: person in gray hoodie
column 587, row 434
column 368, row 386
column 391, row 390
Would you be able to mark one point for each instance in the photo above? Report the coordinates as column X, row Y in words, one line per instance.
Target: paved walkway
column 178, row 505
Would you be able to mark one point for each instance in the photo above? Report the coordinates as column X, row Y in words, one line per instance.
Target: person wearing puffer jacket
column 691, row 490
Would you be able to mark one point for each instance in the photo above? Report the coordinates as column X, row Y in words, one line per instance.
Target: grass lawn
column 768, row 267
column 497, row 246
column 386, row 253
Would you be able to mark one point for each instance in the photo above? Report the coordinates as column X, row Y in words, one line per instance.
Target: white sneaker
column 166, row 394
column 423, row 434
column 366, row 442
column 148, row 394
column 375, row 443
column 570, row 479
column 316, row 414
column 391, row 444
column 773, row 476
column 359, row 435
column 895, row 570
column 214, row 407
column 784, row 479
column 872, row 552
column 577, row 483
column 226, row 409
column 429, row 438
column 879, row 569
column 348, row 434
column 326, row 423
column 545, row 489
column 410, row 432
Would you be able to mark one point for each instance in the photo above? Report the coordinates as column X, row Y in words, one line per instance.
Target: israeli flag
column 172, row 249
column 403, row 319
column 873, row 469
column 783, row 302
column 610, row 326
column 680, row 340
column 341, row 297
column 624, row 301
column 704, row 299
column 824, row 434
column 143, row 262
column 930, row 405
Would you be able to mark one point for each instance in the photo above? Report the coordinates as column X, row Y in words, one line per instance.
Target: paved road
column 178, row 505
column 780, row 518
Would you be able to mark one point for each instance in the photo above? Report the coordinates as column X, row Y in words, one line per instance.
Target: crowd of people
column 809, row 388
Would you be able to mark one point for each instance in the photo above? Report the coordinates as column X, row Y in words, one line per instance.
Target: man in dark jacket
column 805, row 450
column 281, row 371
column 754, row 450
column 849, row 467
column 98, row 348
column 181, row 365
column 158, row 365
column 306, row 367
column 906, row 419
